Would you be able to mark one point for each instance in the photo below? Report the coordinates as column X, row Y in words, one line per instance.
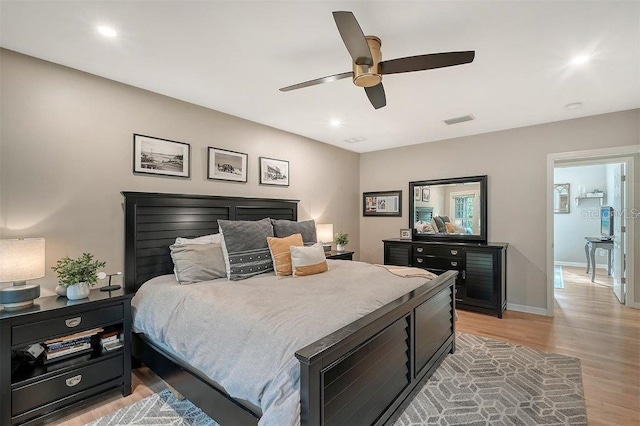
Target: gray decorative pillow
column 440, row 224
column 194, row 263
column 285, row 228
column 245, row 247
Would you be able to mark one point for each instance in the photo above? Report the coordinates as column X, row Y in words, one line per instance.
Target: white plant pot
column 78, row 291
column 340, row 247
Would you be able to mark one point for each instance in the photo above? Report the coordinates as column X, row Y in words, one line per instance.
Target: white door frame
column 623, row 154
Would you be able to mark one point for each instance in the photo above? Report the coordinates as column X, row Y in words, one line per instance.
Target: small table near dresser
column 33, row 392
column 481, row 284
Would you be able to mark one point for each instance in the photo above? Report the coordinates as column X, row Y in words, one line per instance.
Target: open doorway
column 590, row 234
column 589, row 246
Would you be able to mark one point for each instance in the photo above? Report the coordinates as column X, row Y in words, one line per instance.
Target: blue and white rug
column 558, row 279
column 486, row 382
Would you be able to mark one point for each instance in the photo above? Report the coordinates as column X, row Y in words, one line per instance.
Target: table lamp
column 21, row 260
column 324, row 233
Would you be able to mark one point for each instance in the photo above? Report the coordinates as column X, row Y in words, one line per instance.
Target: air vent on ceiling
column 356, row 139
column 459, row 119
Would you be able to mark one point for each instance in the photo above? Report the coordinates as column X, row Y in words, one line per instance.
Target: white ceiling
column 233, row 57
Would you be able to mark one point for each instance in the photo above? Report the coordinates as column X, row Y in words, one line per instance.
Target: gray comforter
column 243, row 334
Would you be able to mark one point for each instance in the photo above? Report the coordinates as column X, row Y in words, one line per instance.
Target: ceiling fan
column 368, row 67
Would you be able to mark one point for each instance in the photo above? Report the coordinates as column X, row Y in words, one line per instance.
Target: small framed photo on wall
column 161, row 156
column 274, row 172
column 417, row 193
column 426, row 193
column 226, row 165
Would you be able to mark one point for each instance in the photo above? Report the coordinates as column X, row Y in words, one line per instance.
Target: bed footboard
column 368, row 372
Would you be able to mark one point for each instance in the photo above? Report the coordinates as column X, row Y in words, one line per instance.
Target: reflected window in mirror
column 561, row 194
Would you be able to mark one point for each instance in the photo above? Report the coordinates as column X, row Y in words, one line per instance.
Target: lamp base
column 19, row 296
column 110, row 288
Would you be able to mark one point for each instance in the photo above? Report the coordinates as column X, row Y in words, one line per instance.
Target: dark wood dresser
column 481, row 285
column 34, row 392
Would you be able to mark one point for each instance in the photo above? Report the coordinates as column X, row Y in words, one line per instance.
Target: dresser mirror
column 449, row 209
column 561, row 198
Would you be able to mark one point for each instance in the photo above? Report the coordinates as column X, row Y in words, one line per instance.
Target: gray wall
column 66, row 153
column 516, row 162
column 582, row 220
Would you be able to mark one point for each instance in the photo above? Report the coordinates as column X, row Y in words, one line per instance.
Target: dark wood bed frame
column 364, row 373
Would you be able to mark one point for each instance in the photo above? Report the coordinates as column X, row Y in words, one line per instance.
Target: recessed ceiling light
column 335, row 123
column 580, row 60
column 573, row 105
column 107, row 31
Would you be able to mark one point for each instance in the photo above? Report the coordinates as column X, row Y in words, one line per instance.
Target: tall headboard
column 153, row 221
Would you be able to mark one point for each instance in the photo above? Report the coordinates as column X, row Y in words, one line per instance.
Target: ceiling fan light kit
column 368, row 67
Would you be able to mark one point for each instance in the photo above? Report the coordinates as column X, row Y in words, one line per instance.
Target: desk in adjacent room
column 590, row 247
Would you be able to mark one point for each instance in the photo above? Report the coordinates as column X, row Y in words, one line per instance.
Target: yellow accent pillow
column 280, row 249
column 308, row 260
column 450, row 227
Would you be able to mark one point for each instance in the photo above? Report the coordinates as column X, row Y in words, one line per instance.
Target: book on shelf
column 67, row 351
column 75, row 336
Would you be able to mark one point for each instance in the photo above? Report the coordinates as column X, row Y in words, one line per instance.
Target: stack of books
column 110, row 341
column 74, row 344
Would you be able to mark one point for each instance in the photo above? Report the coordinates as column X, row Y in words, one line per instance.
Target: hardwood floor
column 589, row 324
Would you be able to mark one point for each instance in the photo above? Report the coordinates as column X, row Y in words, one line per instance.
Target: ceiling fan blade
column 327, row 79
column 353, row 38
column 376, row 95
column 426, row 62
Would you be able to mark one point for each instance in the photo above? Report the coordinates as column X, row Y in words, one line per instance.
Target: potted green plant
column 341, row 239
column 77, row 275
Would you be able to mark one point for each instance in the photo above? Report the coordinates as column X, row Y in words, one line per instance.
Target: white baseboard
column 579, row 264
column 634, row 305
column 526, row 309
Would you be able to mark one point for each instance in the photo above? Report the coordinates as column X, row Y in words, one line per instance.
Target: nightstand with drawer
column 32, row 392
column 339, row 255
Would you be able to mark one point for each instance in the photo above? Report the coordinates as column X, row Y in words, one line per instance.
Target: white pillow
column 205, row 239
column 308, row 260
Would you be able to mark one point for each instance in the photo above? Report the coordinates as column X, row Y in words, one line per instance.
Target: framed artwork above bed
column 226, row 165
column 274, row 172
column 163, row 157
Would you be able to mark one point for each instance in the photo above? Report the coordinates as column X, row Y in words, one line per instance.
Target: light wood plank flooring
column 589, row 324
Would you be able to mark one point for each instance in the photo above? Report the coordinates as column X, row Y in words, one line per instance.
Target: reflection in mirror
column 561, row 198
column 449, row 209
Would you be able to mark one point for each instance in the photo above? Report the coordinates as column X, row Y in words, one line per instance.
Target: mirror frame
column 481, row 238
column 558, row 187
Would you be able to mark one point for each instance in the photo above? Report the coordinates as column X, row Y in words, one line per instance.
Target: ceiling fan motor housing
column 368, row 75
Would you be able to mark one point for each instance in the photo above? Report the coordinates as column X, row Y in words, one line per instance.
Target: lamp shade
column 21, row 260
column 324, row 232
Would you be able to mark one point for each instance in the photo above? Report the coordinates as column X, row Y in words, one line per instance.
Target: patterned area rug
column 485, row 382
column 490, row 382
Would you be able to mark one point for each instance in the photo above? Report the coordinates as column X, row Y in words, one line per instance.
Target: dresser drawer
column 44, row 330
column 454, row 252
column 40, row 393
column 437, row 262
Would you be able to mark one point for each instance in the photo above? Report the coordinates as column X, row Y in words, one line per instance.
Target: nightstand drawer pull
column 454, row 252
column 419, row 249
column 73, row 322
column 454, row 263
column 420, row 260
column 72, row 381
